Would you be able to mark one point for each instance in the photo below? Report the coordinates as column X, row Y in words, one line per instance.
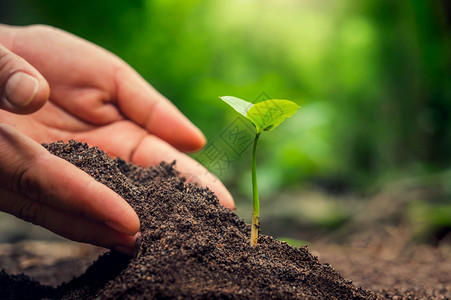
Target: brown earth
column 391, row 268
column 192, row 248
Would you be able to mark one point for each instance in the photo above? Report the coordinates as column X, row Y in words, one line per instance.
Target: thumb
column 23, row 89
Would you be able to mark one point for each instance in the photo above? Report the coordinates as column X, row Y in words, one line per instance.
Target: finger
column 152, row 150
column 129, row 141
column 22, row 88
column 30, row 170
column 144, row 105
column 63, row 223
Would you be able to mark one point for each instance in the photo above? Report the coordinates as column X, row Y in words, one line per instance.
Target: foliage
column 265, row 116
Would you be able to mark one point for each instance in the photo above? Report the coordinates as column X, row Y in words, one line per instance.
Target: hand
column 94, row 97
column 46, row 190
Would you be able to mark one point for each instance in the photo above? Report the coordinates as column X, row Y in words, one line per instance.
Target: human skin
column 56, row 86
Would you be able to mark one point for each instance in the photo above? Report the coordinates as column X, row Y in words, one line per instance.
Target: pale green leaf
column 237, row 104
column 268, row 114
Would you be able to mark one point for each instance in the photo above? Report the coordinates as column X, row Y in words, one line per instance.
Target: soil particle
column 191, row 247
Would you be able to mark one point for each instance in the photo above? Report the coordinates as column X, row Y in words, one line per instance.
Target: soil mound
column 191, row 247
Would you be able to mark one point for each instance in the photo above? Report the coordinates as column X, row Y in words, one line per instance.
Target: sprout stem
column 256, row 212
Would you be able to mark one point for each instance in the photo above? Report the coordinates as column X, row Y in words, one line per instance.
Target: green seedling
column 265, row 116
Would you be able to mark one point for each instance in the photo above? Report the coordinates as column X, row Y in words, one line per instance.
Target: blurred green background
column 373, row 79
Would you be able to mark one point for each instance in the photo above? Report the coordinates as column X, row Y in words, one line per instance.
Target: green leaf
column 268, row 114
column 265, row 115
column 237, row 104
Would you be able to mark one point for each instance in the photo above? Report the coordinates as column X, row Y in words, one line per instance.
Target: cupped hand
column 46, row 190
column 93, row 96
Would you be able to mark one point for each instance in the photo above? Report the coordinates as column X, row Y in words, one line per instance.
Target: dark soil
column 190, row 248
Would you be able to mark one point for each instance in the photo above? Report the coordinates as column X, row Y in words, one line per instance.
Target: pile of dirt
column 190, row 247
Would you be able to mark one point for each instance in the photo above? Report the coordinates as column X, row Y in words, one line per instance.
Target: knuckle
column 31, row 211
column 40, row 27
column 44, row 31
column 7, row 63
column 26, row 184
column 18, row 164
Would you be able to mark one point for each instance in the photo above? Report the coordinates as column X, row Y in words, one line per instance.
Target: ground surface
column 391, row 270
column 421, row 273
column 193, row 248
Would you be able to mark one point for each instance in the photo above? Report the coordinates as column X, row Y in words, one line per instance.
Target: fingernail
column 201, row 139
column 21, row 89
column 138, row 239
column 201, row 136
column 126, row 250
column 119, row 228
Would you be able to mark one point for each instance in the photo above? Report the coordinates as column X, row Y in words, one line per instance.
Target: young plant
column 265, row 116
